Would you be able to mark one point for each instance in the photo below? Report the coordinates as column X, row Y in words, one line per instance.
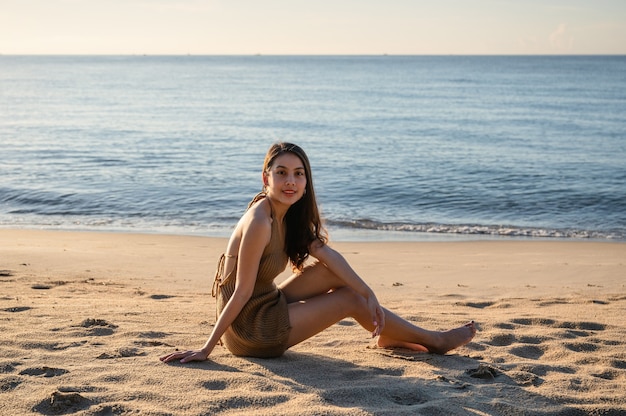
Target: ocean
column 402, row 147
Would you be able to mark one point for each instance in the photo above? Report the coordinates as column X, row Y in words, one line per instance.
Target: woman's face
column 286, row 180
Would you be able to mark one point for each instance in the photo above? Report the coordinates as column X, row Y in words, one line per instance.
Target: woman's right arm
column 255, row 236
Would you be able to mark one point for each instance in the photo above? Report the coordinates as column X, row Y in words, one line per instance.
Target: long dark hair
column 302, row 220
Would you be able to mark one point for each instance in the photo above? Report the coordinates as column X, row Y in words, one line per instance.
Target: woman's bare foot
column 384, row 342
column 454, row 338
column 442, row 341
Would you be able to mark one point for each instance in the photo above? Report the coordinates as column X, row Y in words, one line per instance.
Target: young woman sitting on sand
column 282, row 224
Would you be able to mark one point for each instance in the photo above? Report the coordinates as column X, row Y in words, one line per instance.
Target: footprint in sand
column 582, row 347
column 504, row 325
column 43, row 371
column 89, row 322
column 124, row 352
column 152, row 334
column 585, row 326
column 9, row 383
column 526, row 379
column 574, row 333
column 16, row 309
column 214, row 385
column 149, row 338
column 8, row 367
column 544, row 369
column 484, row 371
column 477, row 305
column 551, row 323
column 40, row 286
column 80, row 389
column 49, row 285
column 160, row 297
column 534, row 321
column 610, row 375
column 530, row 340
column 502, row 340
column 528, row 351
column 62, row 403
column 97, row 327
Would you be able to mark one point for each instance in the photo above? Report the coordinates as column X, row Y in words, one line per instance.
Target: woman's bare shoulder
column 260, row 213
column 257, row 219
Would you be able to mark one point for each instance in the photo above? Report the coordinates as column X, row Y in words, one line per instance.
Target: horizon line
column 313, row 54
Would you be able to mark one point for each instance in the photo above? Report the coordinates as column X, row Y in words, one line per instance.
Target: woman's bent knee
column 354, row 302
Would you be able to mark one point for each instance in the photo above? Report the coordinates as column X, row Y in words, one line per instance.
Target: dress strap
column 219, row 272
column 217, row 282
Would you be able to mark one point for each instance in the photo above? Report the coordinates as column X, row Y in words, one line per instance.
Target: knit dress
column 262, row 327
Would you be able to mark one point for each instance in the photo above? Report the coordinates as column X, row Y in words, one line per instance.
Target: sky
column 313, row 27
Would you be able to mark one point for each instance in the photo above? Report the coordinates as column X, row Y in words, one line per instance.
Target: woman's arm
column 255, row 236
column 337, row 264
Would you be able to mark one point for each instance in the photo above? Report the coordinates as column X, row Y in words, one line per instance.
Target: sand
column 85, row 316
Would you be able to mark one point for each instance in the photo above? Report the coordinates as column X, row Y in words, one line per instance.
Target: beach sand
column 85, row 316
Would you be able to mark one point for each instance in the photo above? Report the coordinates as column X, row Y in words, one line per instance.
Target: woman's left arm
column 337, row 264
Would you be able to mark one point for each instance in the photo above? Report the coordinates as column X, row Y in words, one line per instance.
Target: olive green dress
column 262, row 327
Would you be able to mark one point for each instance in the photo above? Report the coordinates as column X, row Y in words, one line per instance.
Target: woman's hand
column 186, row 356
column 378, row 315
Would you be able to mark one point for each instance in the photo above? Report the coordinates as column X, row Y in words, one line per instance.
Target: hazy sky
column 312, row 27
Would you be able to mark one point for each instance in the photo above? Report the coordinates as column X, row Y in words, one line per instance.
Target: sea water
column 402, row 147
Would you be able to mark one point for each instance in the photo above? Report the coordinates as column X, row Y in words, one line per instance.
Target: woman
column 282, row 224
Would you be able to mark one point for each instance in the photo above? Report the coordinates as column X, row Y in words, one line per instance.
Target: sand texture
column 85, row 316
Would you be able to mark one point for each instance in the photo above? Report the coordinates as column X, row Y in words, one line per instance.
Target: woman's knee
column 321, row 270
column 315, row 279
column 322, row 274
column 355, row 303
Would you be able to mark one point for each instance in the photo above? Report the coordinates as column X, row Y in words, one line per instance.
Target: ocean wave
column 479, row 230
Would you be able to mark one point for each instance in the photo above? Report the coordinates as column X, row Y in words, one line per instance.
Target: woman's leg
column 318, row 299
column 314, row 280
column 314, row 314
